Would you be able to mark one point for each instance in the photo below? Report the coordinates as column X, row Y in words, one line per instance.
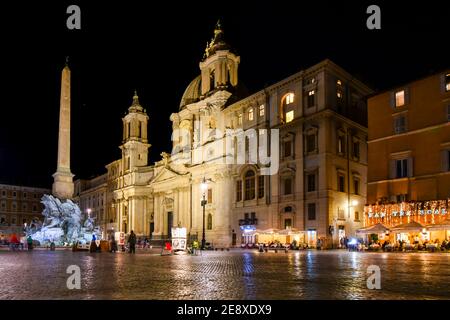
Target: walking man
column 132, row 242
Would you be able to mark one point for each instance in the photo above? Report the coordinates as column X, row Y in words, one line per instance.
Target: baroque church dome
column 192, row 92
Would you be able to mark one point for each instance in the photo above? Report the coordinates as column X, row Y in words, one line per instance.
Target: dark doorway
column 169, row 224
column 124, row 227
column 233, row 241
column 152, row 229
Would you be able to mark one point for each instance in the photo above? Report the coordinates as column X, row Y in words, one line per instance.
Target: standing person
column 132, row 242
column 113, row 243
column 93, row 247
column 30, row 243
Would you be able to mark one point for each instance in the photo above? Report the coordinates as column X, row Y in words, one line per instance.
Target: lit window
column 311, row 98
column 339, row 83
column 261, row 110
column 289, row 116
column 290, row 98
column 250, row 114
column 400, row 98
column 339, row 94
column 240, row 119
column 447, row 82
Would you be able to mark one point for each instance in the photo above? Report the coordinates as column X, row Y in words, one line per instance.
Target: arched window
column 209, row 224
column 249, row 185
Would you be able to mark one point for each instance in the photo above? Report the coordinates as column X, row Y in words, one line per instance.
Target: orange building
column 409, row 158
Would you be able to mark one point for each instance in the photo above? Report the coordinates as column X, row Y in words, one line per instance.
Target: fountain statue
column 63, row 224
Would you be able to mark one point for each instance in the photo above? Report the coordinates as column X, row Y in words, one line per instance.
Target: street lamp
column 204, row 188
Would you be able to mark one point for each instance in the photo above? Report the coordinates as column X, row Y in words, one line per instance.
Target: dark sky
column 156, row 49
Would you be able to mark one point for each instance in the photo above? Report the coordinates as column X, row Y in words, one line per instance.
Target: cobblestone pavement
column 238, row 274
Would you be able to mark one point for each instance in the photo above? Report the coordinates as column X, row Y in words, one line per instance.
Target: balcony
column 248, row 222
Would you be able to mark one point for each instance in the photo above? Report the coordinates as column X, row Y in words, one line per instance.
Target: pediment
column 167, row 174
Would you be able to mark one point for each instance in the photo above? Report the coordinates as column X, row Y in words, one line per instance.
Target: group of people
column 113, row 247
column 15, row 243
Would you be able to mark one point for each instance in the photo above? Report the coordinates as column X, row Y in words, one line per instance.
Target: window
column 261, row 110
column 24, row 195
column 339, row 82
column 311, row 211
column 340, row 144
column 448, row 160
column 240, row 119
column 290, row 98
column 402, row 198
column 400, row 124
column 401, row 168
column 14, row 194
column 341, row 214
column 355, row 149
column 311, row 181
column 250, row 114
column 341, row 183
column 356, row 215
column 400, row 98
column 13, row 220
column 260, row 186
column 287, row 186
column 310, row 143
column 3, row 193
column 14, row 206
column 339, row 94
column 34, row 196
column 447, row 82
column 287, row 149
column 356, row 186
column 24, row 207
column 3, row 205
column 289, row 116
column 34, row 208
column 210, row 196
column 311, row 98
column 287, row 223
column 250, row 185
column 209, row 224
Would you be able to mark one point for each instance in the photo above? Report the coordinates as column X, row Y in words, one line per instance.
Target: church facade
column 292, row 156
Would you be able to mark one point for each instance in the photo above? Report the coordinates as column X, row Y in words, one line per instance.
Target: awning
column 375, row 229
column 443, row 225
column 413, row 226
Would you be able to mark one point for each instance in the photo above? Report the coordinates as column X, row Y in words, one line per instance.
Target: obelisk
column 63, row 187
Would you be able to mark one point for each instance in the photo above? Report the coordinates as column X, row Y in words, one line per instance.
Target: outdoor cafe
column 407, row 226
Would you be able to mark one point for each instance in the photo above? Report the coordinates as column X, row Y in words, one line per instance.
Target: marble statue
column 63, row 223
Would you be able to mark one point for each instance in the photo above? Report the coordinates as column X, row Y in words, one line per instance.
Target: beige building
column 311, row 126
column 19, row 205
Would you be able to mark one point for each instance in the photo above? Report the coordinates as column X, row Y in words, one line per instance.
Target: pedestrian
column 93, row 246
column 30, row 243
column 113, row 243
column 132, row 242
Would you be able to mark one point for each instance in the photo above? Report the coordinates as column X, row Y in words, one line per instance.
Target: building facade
column 292, row 156
column 409, row 147
column 19, row 205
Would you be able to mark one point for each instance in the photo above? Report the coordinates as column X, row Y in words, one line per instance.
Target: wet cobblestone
column 224, row 275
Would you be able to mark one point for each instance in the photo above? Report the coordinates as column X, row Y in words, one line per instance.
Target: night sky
column 156, row 49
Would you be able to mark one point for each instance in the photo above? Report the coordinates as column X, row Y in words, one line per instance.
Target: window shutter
column 410, row 167
column 443, row 83
column 392, row 169
column 392, row 100
column 407, row 96
column 444, row 160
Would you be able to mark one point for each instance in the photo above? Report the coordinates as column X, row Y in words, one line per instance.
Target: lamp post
column 204, row 188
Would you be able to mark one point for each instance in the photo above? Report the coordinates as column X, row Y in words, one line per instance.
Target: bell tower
column 219, row 67
column 135, row 142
